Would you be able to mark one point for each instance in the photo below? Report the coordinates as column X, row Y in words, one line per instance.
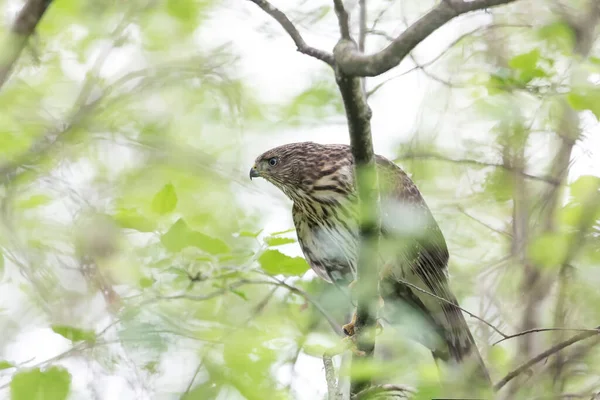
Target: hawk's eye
column 272, row 161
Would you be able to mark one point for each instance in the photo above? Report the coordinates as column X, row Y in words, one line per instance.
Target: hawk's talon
column 349, row 327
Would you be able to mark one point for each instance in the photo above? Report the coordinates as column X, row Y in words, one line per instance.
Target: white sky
column 277, row 71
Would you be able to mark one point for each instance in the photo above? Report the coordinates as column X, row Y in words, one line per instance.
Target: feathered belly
column 330, row 250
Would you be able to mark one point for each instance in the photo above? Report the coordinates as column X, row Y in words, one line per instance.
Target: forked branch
column 353, row 63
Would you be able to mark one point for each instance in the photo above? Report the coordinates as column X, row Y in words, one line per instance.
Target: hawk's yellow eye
column 272, row 161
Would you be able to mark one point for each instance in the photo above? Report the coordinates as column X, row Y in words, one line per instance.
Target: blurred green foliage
column 121, row 181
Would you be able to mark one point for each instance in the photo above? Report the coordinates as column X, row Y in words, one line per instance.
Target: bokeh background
column 138, row 261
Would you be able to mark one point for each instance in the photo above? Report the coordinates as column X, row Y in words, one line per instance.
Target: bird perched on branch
column 320, row 180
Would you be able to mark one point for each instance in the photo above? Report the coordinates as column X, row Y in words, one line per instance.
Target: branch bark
column 358, row 115
column 23, row 27
column 289, row 27
column 353, row 63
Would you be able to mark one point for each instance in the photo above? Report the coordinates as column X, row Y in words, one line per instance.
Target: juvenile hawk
column 319, row 179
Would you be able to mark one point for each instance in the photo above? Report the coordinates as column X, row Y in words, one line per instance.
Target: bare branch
column 24, row 26
column 552, row 350
column 289, row 27
column 353, row 63
column 343, row 19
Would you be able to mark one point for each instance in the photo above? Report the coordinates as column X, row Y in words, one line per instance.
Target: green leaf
column 186, row 12
column 74, row 334
column 275, row 263
column 549, row 250
column 526, row 61
column 181, row 236
column 278, row 241
column 51, row 384
column 131, row 219
column 5, row 365
column 526, row 67
column 146, row 282
column 585, row 100
column 34, row 201
column 250, row 234
column 584, row 187
column 165, row 201
column 559, row 35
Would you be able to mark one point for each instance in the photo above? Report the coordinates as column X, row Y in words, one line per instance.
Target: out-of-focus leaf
column 51, row 384
column 283, row 232
column 499, row 184
column 146, row 282
column 34, row 201
column 584, row 187
column 5, row 365
column 177, row 237
column 318, row 101
column 1, row 265
column 525, row 61
column 278, row 241
column 526, row 66
column 275, row 262
column 186, row 12
column 165, row 200
column 75, row 334
column 208, row 244
column 131, row 219
column 181, row 236
column 559, row 35
column 208, row 390
column 239, row 293
column 549, row 250
column 250, row 234
column 585, row 99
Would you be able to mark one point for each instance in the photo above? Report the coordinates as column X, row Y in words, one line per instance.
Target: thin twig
column 556, row 348
column 536, row 330
column 498, row 331
column 438, row 157
column 289, row 27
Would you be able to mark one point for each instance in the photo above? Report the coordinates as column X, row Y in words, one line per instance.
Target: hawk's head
column 301, row 169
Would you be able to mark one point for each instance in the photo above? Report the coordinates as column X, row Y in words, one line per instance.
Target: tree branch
column 556, row 348
column 343, row 19
column 24, row 26
column 289, row 27
column 358, row 115
column 353, row 63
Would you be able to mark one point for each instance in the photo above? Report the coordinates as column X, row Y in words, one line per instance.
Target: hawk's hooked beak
column 254, row 172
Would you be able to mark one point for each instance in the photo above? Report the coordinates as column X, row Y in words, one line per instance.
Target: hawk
column 319, row 179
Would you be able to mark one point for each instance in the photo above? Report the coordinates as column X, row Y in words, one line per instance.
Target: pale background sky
column 277, row 71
